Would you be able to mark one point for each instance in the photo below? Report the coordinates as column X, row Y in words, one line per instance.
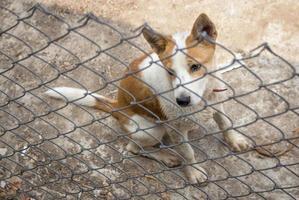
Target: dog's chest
column 188, row 118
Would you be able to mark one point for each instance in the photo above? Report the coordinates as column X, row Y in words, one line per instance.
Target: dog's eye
column 195, row 67
column 171, row 72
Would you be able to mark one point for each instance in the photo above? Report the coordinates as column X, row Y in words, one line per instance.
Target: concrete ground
column 78, row 153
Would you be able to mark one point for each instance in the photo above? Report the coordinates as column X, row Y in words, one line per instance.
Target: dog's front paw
column 196, row 174
column 237, row 142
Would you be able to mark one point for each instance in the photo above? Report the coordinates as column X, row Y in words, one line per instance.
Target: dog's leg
column 194, row 173
column 237, row 141
column 143, row 141
column 166, row 156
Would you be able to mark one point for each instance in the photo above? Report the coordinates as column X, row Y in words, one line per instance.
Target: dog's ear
column 157, row 41
column 203, row 25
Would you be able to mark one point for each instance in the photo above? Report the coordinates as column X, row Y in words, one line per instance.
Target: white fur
column 192, row 86
column 72, row 94
column 148, row 136
column 180, row 39
column 145, row 132
column 156, row 76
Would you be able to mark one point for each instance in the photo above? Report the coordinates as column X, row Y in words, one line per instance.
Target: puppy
column 158, row 93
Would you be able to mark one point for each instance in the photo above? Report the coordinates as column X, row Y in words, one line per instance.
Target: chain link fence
column 56, row 150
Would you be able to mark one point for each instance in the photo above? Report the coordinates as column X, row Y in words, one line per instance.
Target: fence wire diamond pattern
column 59, row 150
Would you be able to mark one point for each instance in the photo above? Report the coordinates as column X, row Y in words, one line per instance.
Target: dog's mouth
column 185, row 105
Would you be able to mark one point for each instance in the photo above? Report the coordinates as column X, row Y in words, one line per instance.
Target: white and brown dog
column 165, row 85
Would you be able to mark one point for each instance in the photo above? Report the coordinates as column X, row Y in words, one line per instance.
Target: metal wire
column 43, row 155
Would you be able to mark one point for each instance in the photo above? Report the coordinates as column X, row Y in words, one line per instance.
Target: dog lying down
column 181, row 62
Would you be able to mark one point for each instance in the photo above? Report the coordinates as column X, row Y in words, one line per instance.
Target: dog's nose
column 183, row 101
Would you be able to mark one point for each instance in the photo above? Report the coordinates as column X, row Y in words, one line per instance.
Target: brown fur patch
column 202, row 53
column 134, row 66
column 166, row 55
column 203, row 24
column 199, row 49
column 132, row 89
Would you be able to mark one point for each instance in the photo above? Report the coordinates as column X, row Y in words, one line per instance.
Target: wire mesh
column 60, row 150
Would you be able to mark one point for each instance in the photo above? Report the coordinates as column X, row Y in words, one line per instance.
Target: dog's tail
column 83, row 97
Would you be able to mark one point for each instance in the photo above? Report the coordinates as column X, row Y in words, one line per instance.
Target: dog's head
column 186, row 57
